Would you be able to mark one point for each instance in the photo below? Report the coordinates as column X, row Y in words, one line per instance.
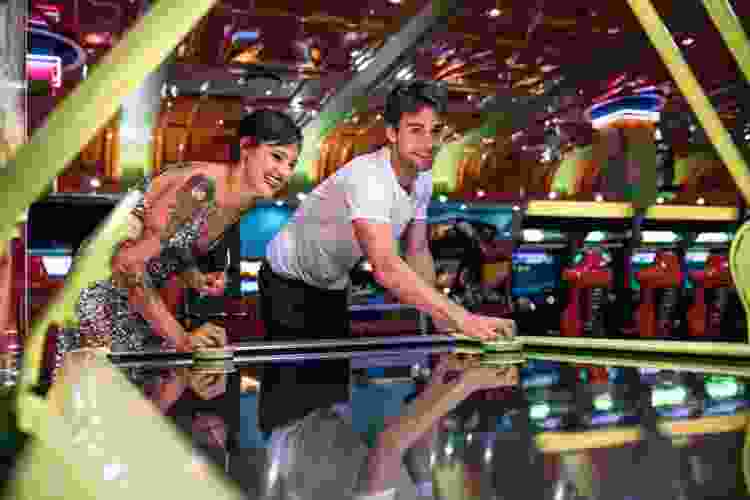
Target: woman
column 178, row 230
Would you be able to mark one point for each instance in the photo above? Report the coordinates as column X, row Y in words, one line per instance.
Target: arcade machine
column 535, row 283
column 52, row 246
column 573, row 263
column 625, row 277
column 715, row 311
column 472, row 262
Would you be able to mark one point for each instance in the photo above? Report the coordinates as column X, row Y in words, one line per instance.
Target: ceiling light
column 301, row 196
column 481, row 193
column 463, row 207
column 701, row 201
column 96, row 183
column 688, row 42
column 494, row 13
column 443, row 198
column 516, row 208
column 613, row 31
column 395, row 2
column 553, row 195
column 279, row 203
column 660, row 200
column 599, row 197
column 269, row 92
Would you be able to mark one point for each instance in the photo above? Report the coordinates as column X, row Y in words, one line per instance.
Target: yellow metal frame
column 562, row 442
column 640, row 360
column 734, row 349
column 54, row 144
column 620, row 210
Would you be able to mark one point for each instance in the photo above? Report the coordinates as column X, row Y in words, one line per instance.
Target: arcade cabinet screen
column 48, row 237
column 257, row 229
column 52, row 245
column 725, row 395
column 249, row 276
column 641, row 259
column 534, row 272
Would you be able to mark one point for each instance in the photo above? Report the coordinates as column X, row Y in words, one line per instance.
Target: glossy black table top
column 577, row 425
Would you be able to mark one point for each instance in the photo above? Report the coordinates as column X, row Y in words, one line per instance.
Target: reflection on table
column 575, row 426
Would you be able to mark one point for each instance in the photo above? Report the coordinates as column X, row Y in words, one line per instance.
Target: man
column 356, row 213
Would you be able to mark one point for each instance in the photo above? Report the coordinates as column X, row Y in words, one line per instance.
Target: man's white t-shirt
column 318, row 245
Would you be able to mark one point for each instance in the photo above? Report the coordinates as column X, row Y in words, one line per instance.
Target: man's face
column 418, row 137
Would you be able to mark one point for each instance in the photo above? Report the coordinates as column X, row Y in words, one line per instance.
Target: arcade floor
column 577, row 425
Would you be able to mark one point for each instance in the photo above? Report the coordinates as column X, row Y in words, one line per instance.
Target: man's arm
column 418, row 254
column 391, row 272
column 385, row 459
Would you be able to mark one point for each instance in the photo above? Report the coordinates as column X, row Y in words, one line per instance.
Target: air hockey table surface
column 578, row 425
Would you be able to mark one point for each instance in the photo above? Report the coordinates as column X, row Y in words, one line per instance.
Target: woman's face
column 268, row 167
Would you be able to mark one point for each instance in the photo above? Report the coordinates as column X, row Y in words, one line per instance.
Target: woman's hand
column 212, row 284
column 208, row 336
column 208, row 385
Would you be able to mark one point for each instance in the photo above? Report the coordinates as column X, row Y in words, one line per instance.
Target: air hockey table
column 579, row 425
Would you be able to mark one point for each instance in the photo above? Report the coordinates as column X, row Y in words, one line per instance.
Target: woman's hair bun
column 270, row 127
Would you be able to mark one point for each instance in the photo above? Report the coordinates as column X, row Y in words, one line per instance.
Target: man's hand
column 486, row 328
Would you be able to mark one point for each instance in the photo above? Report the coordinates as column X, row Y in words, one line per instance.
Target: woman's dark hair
column 410, row 97
column 270, row 127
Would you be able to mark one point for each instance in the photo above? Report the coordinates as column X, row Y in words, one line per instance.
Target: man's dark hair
column 410, row 97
